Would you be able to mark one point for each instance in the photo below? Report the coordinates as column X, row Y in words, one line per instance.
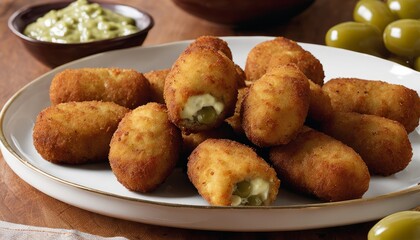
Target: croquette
column 125, row 87
column 276, row 106
column 145, row 148
column 319, row 165
column 77, row 132
column 228, row 173
column 375, row 97
column 279, row 51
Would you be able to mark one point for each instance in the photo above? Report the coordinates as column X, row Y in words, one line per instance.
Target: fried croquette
column 216, row 43
column 76, row 132
column 192, row 140
column 382, row 143
column 145, row 148
column 156, row 80
column 125, row 87
column 280, row 51
column 228, row 173
column 201, row 89
column 235, row 120
column 276, row 106
column 317, row 164
column 379, row 98
column 221, row 47
column 320, row 108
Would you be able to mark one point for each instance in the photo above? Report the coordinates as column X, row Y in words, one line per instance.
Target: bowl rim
column 104, row 4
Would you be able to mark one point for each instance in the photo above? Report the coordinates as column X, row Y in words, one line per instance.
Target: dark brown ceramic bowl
column 244, row 12
column 54, row 54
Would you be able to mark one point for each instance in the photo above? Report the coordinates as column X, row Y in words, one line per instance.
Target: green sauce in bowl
column 80, row 22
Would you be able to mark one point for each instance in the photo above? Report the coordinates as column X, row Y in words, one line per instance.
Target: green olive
column 243, row 189
column 402, row 37
column 206, row 115
column 401, row 225
column 254, row 200
column 359, row 37
column 417, row 64
column 405, row 8
column 376, row 13
column 408, row 62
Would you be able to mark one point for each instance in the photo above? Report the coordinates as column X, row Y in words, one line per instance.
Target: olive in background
column 400, row 225
column 355, row 36
column 402, row 37
column 405, row 8
column 405, row 61
column 417, row 64
column 375, row 13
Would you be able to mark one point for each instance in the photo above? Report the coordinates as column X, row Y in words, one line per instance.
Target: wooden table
column 20, row 203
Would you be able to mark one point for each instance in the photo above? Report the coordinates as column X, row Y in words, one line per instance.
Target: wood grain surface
column 23, row 204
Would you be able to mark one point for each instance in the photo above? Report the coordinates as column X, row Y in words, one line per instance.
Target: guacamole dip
column 80, row 22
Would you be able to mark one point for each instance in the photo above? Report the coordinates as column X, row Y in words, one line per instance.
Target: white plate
column 176, row 203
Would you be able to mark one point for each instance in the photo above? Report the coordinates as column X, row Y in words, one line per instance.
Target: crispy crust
column 235, row 120
column 379, row 98
column 125, row 87
column 145, row 148
column 156, row 80
column 320, row 108
column 280, row 51
column 317, row 164
column 216, row 43
column 382, row 143
column 276, row 106
column 217, row 165
column 197, row 71
column 76, row 132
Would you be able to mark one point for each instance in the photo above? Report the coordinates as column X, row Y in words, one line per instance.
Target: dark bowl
column 244, row 12
column 55, row 54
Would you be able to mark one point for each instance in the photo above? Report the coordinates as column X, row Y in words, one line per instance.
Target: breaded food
column 242, row 76
column 214, row 42
column 235, row 120
column 280, row 51
column 125, row 87
column 382, row 143
column 192, row 140
column 319, row 165
column 76, row 132
column 201, row 89
column 379, row 98
column 320, row 108
column 221, row 47
column 228, row 173
column 145, row 148
column 276, row 106
column 156, row 79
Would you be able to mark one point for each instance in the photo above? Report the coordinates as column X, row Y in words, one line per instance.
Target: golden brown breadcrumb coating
column 217, row 165
column 317, row 164
column 379, row 98
column 280, row 51
column 214, row 42
column 382, row 143
column 156, row 80
column 200, row 79
column 125, row 87
column 145, row 148
column 76, row 132
column 275, row 107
